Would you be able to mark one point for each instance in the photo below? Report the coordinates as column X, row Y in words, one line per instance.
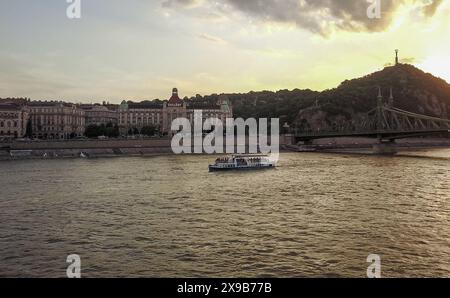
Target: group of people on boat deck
column 222, row 160
column 248, row 160
column 254, row 160
column 241, row 161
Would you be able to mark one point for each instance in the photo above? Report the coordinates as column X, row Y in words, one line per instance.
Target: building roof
column 95, row 108
column 145, row 105
column 9, row 107
column 174, row 99
column 49, row 104
column 17, row 101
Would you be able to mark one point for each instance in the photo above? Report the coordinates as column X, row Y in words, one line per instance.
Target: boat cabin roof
column 249, row 155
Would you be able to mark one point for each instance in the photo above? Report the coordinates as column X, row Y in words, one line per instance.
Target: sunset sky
column 138, row 49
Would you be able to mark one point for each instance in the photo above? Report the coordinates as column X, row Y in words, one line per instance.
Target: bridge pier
column 383, row 147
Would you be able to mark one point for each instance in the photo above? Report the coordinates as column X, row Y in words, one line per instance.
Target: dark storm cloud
column 318, row 16
column 321, row 15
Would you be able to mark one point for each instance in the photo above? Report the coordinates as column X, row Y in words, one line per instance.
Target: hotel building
column 160, row 114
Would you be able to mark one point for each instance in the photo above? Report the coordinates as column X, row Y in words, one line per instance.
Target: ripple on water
column 316, row 215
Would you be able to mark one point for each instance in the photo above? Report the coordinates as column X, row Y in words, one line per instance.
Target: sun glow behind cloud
column 422, row 41
column 142, row 50
column 436, row 44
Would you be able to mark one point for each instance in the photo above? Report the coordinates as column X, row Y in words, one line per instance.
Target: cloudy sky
column 139, row 49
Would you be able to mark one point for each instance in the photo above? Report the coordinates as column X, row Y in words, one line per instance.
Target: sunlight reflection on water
column 315, row 215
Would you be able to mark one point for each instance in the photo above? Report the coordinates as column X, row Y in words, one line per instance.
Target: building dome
column 175, row 100
column 123, row 106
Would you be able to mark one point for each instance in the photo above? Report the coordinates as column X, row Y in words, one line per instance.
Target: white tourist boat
column 20, row 153
column 242, row 162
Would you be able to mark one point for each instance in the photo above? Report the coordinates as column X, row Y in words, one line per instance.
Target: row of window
column 58, row 111
column 57, row 120
column 9, row 124
column 139, row 120
column 9, row 115
column 8, row 133
column 51, row 128
column 104, row 121
column 110, row 114
column 147, row 118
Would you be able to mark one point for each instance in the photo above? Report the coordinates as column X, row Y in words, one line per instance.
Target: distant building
column 18, row 101
column 160, row 114
column 13, row 120
column 138, row 115
column 61, row 120
column 56, row 120
column 100, row 114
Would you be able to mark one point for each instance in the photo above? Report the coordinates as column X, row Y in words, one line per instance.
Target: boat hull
column 240, row 168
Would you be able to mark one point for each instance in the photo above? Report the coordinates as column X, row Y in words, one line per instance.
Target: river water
column 316, row 215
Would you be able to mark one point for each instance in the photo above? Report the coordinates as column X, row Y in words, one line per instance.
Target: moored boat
column 242, row 162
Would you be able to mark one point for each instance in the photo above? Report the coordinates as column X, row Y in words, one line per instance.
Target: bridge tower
column 382, row 146
column 379, row 125
column 391, row 100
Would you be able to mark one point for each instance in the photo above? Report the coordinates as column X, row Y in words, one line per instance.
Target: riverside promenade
column 88, row 148
column 162, row 146
column 96, row 148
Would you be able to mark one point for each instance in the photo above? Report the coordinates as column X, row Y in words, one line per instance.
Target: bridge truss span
column 383, row 122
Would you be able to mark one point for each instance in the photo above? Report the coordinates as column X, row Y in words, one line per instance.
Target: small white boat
column 242, row 162
column 307, row 149
column 82, row 155
column 20, row 153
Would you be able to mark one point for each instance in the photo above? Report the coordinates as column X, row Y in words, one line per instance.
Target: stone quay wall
column 91, row 144
column 88, row 148
column 94, row 148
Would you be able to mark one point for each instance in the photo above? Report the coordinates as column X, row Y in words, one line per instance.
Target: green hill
column 413, row 90
column 283, row 104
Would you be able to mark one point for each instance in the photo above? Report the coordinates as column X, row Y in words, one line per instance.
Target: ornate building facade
column 13, row 120
column 61, row 120
column 56, row 120
column 100, row 114
column 160, row 114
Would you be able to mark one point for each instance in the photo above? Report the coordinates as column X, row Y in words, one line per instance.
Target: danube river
column 316, row 215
